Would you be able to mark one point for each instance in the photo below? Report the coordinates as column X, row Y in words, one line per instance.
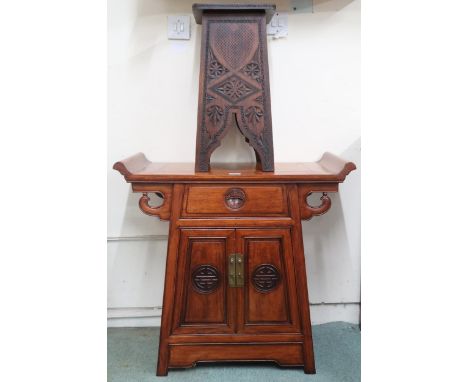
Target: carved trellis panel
column 234, row 86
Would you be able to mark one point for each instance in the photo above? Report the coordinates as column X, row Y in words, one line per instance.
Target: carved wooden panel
column 205, row 278
column 266, row 277
column 203, row 297
column 162, row 211
column 213, row 305
column 269, row 300
column 234, row 85
column 307, row 211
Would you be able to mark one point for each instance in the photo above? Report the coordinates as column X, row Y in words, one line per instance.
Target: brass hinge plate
column 236, row 270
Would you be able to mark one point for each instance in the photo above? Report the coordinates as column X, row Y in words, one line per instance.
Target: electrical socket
column 178, row 27
column 278, row 26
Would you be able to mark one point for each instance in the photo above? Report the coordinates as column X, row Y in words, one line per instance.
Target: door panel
column 267, row 303
column 204, row 302
column 266, row 300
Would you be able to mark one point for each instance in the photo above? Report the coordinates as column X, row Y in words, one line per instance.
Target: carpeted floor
column 131, row 356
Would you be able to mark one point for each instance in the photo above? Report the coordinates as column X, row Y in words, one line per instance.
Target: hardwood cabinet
column 235, row 285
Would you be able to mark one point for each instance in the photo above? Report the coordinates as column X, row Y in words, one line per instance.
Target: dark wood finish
column 198, row 9
column 234, row 90
column 213, row 215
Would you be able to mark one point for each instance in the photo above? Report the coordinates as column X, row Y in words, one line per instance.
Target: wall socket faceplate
column 278, row 26
column 178, row 27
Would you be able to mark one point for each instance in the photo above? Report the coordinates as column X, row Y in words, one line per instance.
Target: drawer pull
column 234, row 198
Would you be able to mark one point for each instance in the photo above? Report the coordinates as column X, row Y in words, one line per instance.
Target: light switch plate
column 178, row 27
column 278, row 26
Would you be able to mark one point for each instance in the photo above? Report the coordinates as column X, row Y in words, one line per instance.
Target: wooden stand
column 234, row 89
column 236, row 284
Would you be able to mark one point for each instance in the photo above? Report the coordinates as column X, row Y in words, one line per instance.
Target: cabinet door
column 204, row 302
column 268, row 302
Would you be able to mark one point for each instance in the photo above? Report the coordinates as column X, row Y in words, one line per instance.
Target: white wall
column 153, row 91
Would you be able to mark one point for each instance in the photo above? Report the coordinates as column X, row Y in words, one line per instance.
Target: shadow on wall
column 135, row 276
column 332, row 241
column 330, row 5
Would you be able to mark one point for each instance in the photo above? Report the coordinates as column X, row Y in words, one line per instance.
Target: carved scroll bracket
column 164, row 210
column 307, row 211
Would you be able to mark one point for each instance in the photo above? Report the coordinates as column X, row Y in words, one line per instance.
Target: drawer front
column 235, row 200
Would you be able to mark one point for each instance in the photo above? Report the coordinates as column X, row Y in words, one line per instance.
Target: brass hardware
column 240, row 270
column 232, row 270
column 236, row 270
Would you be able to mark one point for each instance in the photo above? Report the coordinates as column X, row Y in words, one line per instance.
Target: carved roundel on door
column 266, row 277
column 205, row 278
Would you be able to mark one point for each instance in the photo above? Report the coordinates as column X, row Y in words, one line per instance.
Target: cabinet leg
column 303, row 295
column 309, row 361
column 169, row 287
column 163, row 360
column 162, row 372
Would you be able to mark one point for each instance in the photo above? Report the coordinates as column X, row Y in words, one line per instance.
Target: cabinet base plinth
column 283, row 354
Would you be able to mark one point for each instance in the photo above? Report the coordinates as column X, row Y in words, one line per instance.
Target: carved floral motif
column 253, row 114
column 215, row 69
column 234, row 89
column 215, row 114
column 253, row 70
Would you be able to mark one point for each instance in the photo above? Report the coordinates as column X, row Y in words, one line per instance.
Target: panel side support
column 301, row 280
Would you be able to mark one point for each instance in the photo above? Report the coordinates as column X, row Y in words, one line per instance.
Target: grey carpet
column 131, row 356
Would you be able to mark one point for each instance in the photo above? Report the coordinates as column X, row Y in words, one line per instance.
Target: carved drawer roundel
column 266, row 277
column 205, row 278
column 234, row 198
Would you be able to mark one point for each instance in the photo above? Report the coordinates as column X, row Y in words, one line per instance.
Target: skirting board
column 320, row 314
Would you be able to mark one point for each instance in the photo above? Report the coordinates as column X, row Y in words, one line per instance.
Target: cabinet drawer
column 235, row 200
